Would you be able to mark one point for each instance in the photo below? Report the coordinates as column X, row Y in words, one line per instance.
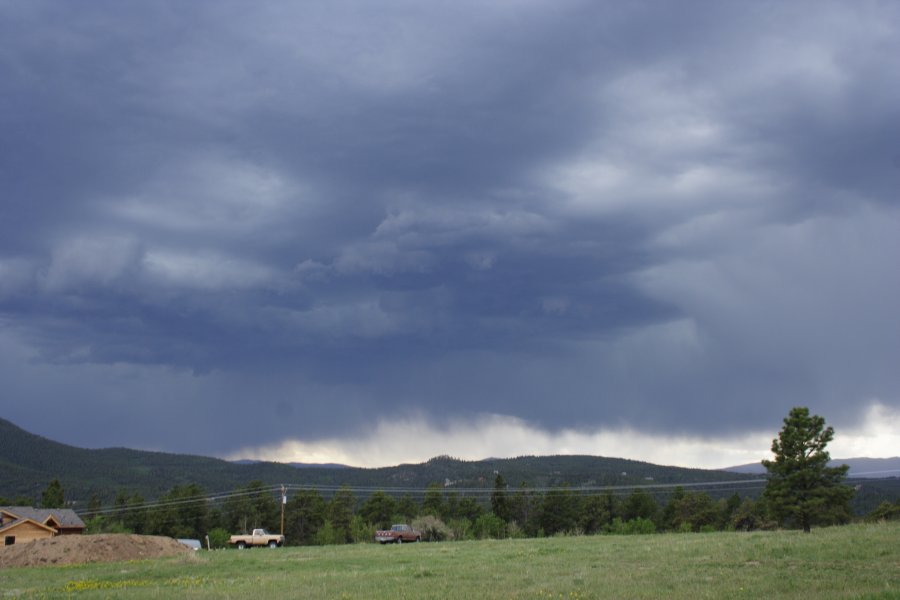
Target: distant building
column 25, row 524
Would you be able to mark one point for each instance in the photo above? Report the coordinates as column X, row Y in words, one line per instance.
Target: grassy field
column 856, row 561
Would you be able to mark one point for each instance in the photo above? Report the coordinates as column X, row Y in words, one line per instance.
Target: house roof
column 19, row 522
column 63, row 517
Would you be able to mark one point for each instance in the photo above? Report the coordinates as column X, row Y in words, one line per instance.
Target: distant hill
column 296, row 465
column 860, row 468
column 28, row 463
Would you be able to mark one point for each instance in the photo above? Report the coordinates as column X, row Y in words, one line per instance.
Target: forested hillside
column 29, row 462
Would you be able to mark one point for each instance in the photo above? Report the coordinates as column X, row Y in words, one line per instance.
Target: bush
column 432, row 528
column 514, row 531
column 361, row 530
column 885, row 512
column 636, row 526
column 460, row 529
column 101, row 524
column 490, row 526
column 328, row 534
column 218, row 537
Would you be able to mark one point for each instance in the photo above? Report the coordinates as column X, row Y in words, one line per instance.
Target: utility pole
column 283, row 502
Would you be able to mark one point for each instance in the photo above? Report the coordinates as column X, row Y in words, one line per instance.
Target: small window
column 9, row 540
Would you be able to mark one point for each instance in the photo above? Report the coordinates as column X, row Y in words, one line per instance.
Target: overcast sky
column 375, row 232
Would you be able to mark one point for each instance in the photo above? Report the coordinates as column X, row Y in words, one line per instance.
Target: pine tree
column 434, row 500
column 304, row 515
column 499, row 500
column 340, row 514
column 379, row 510
column 802, row 489
column 53, row 496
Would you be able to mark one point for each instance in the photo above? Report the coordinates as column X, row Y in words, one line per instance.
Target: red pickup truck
column 398, row 534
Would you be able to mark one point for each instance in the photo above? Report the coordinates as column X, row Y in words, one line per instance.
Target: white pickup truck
column 259, row 537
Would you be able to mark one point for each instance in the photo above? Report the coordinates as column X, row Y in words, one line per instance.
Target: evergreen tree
column 500, row 500
column 340, row 514
column 802, row 489
column 470, row 509
column 94, row 504
column 379, row 510
column 237, row 513
column 180, row 513
column 451, row 506
column 640, row 505
column 163, row 520
column 407, row 508
column 595, row 515
column 434, row 500
column 610, row 505
column 523, row 507
column 190, row 511
column 668, row 516
column 692, row 511
column 559, row 511
column 734, row 501
column 130, row 513
column 304, row 515
column 747, row 516
column 265, row 510
column 254, row 508
column 53, row 496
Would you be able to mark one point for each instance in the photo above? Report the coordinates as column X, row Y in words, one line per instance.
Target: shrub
column 218, row 537
column 885, row 512
column 490, row 526
column 636, row 526
column 361, row 530
column 329, row 534
column 432, row 528
column 101, row 524
column 514, row 531
column 460, row 529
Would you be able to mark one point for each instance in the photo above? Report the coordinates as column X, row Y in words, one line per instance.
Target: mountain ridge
column 30, row 461
column 860, row 467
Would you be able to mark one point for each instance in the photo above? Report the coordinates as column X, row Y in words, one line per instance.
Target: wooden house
column 25, row 524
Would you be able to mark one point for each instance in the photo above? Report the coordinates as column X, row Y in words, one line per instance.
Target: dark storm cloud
column 580, row 214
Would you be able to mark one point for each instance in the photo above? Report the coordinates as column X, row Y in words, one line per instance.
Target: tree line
column 311, row 518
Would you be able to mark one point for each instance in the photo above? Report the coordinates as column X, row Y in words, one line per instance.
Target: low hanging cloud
column 389, row 443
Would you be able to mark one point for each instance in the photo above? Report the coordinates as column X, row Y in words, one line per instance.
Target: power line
column 206, row 498
column 544, row 489
column 418, row 492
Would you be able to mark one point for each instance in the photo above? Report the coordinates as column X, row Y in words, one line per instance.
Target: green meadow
column 854, row 561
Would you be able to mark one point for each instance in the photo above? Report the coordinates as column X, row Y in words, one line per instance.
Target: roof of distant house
column 64, row 517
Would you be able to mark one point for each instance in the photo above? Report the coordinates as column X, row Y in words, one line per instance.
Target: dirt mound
column 74, row 549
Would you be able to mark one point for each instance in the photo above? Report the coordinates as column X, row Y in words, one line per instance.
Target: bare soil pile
column 75, row 549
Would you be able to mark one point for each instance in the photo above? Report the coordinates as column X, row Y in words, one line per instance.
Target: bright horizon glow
column 413, row 440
